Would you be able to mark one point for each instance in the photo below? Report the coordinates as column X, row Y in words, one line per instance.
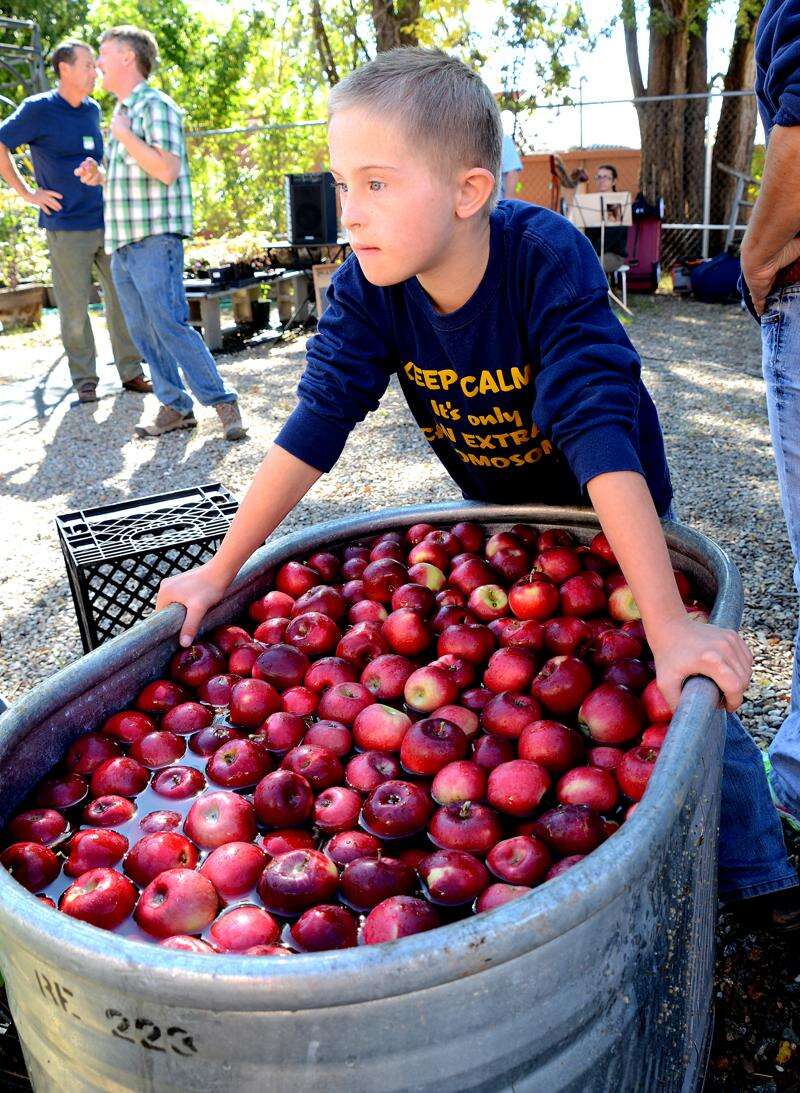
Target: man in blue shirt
column 61, row 128
column 771, row 270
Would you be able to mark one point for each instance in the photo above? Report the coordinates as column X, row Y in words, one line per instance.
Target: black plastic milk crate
column 117, row 555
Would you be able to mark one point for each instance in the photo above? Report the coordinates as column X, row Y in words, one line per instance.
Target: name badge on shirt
column 88, row 143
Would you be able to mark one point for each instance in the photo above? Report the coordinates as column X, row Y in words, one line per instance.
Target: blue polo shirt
column 60, row 137
column 525, row 393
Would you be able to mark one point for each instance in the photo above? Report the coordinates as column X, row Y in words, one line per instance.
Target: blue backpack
column 716, row 281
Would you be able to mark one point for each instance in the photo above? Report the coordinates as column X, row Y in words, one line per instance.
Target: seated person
column 615, row 251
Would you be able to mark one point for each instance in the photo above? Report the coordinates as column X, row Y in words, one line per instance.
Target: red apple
column 471, row 574
column 300, row 700
column 252, row 701
column 38, row 825
column 406, row 632
column 468, row 826
column 240, row 928
column 108, row 811
column 220, row 817
column 367, row 770
column 385, row 677
column 238, row 764
column 324, row 927
column 178, row 783
column 452, row 877
column 297, row 880
column 611, row 715
column 512, row 563
column 206, row 741
column 86, row 754
column 570, row 829
column 330, row 734
column 382, row 578
column 508, row 713
column 517, row 787
column 281, row 732
column 234, row 869
column 178, row 901
column 431, row 744
column 566, row 636
column 191, row 717
column 488, row 601
column 635, row 769
column 121, row 776
column 600, row 545
column 630, row 673
column 583, row 595
column 489, row 752
column 93, row 848
column 523, row 859
column 655, row 736
column 622, row 606
column 428, row 575
column 551, row 744
column 564, row 866
column 183, row 943
column 510, row 669
column 158, row 749
column 368, row 611
column 562, row 684
column 380, row 728
column 282, row 841
column 336, row 809
column 242, row 660
column 273, row 605
column 197, row 663
column 294, row 578
column 472, row 642
column 324, row 599
column 429, row 687
column 102, row 897
column 588, row 786
column 605, row 758
column 326, row 564
column 396, row 809
column 160, row 820
column 459, row 781
column 520, row 634
column 470, row 535
column 156, row 853
column 368, row 881
column 344, row 702
column 415, row 596
column 129, row 725
column 396, row 917
column 319, row 766
column 30, row 864
column 227, row 638
column 347, row 846
column 269, row 632
column 533, row 597
column 557, row 563
column 467, row 720
column 498, row 894
column 613, row 646
column 655, row 705
column 281, row 665
column 159, row 696
column 327, row 672
column 460, row 671
column 313, row 633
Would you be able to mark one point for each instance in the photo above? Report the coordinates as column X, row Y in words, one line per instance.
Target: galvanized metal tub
column 600, row 980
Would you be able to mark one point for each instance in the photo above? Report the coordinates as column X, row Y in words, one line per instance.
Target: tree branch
column 632, row 47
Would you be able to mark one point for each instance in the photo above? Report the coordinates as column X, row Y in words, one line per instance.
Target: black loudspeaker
column 311, row 208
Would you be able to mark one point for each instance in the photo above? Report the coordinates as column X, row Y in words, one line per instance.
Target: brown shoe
column 231, row 420
column 87, row 392
column 166, row 421
column 140, row 384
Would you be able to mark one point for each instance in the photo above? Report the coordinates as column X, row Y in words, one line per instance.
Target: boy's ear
column 475, row 190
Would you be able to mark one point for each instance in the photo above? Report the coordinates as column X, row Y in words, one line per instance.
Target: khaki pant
column 72, row 256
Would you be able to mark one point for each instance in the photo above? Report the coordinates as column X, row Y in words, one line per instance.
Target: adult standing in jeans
column 771, row 270
column 60, row 127
column 148, row 211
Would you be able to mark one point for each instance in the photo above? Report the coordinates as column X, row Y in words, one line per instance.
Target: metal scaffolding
column 21, row 61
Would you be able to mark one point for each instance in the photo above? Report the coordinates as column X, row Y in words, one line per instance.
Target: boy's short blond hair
column 443, row 106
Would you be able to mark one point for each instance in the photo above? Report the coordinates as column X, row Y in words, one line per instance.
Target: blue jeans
column 752, row 853
column 780, row 338
column 148, row 276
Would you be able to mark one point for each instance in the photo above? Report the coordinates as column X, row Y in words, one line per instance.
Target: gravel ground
column 702, row 367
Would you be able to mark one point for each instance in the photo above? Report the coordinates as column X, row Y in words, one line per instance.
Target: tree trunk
column 736, row 130
column 694, row 131
column 395, row 23
column 662, row 123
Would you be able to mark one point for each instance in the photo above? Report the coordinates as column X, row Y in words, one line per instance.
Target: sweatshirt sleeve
column 349, row 363
column 21, row 127
column 588, row 386
column 783, row 75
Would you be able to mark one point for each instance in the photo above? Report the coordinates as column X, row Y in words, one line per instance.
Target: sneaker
column 231, row 420
column 87, row 392
column 781, row 809
column 140, row 384
column 166, row 421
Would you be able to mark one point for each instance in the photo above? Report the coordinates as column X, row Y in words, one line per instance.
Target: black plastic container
column 117, row 555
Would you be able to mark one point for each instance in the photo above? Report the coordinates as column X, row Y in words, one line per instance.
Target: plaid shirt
column 135, row 204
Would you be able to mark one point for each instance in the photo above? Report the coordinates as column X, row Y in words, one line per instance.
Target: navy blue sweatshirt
column 778, row 63
column 525, row 393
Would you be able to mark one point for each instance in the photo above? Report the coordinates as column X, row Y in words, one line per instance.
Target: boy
column 498, row 317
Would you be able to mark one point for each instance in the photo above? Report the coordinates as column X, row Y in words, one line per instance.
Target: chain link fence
column 681, row 149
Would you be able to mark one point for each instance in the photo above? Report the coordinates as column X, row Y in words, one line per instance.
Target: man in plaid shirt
column 148, row 213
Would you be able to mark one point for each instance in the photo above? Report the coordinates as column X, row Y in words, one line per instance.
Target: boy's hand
column 89, row 172
column 197, row 590
column 686, row 648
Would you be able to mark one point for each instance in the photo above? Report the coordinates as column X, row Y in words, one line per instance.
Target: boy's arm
column 280, row 482
column 682, row 647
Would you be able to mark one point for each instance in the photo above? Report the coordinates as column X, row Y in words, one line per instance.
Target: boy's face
column 399, row 212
